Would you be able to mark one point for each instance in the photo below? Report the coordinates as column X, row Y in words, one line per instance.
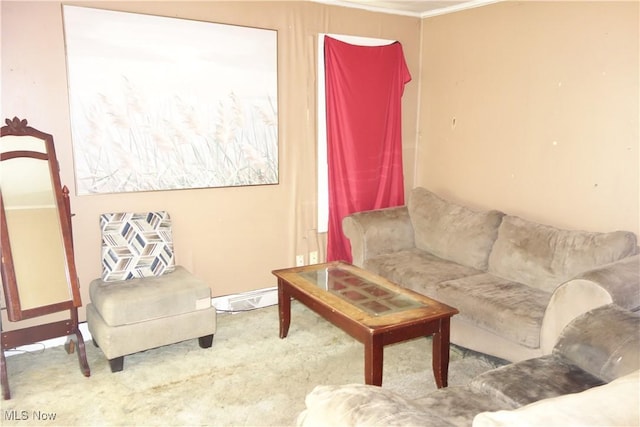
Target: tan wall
column 231, row 237
column 544, row 97
column 532, row 108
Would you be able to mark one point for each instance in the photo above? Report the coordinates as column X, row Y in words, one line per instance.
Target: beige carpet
column 249, row 377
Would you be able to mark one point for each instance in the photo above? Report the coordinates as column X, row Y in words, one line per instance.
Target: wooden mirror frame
column 15, row 311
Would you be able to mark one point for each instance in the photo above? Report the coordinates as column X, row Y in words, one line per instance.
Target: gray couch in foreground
column 516, row 283
column 591, row 378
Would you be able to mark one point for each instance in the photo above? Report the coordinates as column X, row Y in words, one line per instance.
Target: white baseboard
column 234, row 303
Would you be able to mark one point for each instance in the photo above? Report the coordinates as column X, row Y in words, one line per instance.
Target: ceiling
column 420, row 8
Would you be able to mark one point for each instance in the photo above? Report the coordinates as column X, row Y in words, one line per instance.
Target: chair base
column 119, row 341
column 117, row 364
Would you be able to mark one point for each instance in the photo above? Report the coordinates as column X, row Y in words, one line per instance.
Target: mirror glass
column 33, row 225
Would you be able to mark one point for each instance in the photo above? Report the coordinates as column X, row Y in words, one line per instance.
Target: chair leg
column 206, row 341
column 116, row 364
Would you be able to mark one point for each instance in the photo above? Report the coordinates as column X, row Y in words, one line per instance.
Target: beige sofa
column 592, row 378
column 516, row 283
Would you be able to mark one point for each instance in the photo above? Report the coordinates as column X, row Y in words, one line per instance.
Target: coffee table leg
column 284, row 309
column 441, row 354
column 373, row 360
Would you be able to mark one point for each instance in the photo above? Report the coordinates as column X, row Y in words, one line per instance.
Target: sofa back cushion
column 451, row 231
column 543, row 256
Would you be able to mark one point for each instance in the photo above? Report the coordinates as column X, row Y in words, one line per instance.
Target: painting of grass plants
column 165, row 103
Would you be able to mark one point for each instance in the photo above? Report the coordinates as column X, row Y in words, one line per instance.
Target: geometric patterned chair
column 143, row 300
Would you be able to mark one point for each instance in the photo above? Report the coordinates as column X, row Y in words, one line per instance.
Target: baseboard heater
column 244, row 301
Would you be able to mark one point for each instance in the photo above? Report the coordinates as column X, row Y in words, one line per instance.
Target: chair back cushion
column 136, row 245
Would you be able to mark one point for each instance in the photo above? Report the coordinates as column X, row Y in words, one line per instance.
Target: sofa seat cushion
column 452, row 231
column 531, row 380
column 459, row 405
column 613, row 404
column 544, row 256
column 416, row 269
column 509, row 309
column 136, row 300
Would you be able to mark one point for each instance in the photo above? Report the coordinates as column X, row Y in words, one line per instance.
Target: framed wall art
column 161, row 103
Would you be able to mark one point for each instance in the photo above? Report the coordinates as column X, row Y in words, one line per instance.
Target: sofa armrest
column 377, row 232
column 618, row 283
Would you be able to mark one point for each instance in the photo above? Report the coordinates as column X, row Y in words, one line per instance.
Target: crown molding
column 457, row 8
column 435, row 12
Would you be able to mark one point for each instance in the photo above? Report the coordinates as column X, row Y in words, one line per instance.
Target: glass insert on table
column 364, row 294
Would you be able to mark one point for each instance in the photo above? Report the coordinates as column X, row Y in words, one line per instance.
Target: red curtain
column 364, row 86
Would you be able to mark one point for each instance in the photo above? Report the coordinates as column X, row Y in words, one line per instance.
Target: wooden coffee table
column 370, row 308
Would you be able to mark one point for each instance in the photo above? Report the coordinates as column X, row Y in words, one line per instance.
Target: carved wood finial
column 17, row 126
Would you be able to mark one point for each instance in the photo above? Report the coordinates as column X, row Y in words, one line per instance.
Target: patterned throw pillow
column 136, row 245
